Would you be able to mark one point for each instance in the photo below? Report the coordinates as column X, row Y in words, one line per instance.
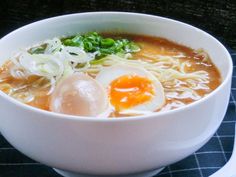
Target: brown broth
column 150, row 47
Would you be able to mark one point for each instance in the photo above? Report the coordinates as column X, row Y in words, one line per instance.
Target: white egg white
column 80, row 95
column 109, row 74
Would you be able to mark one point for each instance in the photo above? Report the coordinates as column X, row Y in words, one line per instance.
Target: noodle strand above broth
column 178, row 75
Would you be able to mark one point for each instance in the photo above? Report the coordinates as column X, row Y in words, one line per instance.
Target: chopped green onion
column 37, row 50
column 93, row 42
column 108, row 42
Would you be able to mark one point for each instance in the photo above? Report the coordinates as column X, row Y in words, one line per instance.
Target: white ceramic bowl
column 114, row 146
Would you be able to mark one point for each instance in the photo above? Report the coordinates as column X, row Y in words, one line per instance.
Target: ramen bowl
column 134, row 146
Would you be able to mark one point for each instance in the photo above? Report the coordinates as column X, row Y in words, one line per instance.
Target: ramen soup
column 109, row 75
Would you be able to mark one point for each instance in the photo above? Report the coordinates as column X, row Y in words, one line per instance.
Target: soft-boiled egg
column 131, row 89
column 81, row 95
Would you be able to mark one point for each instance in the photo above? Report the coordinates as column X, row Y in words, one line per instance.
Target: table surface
column 216, row 17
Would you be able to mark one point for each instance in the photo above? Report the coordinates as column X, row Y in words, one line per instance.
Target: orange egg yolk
column 130, row 90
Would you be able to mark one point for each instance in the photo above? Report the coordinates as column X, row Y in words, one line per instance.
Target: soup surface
column 145, row 75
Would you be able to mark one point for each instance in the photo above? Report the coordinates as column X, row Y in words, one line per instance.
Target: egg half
column 131, row 89
column 80, row 95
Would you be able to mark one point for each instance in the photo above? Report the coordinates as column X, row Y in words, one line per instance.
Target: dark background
column 218, row 17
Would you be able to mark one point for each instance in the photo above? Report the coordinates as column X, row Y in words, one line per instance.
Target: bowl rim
column 126, row 118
